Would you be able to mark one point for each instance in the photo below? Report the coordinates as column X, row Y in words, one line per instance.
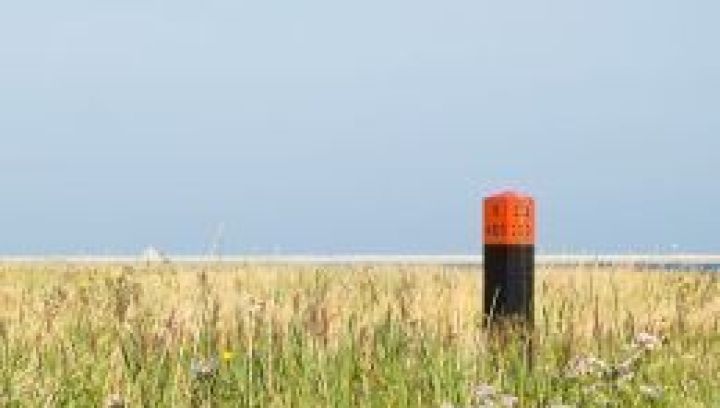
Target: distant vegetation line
column 667, row 261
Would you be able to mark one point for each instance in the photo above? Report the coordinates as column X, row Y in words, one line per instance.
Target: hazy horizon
column 321, row 127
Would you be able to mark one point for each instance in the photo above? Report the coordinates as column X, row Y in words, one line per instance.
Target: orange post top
column 509, row 219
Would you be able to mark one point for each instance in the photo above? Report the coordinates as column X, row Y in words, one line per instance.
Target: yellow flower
column 228, row 355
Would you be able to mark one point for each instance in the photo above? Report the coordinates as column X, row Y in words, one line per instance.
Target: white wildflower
column 624, row 370
column 508, row 401
column 204, row 369
column 652, row 392
column 583, row 366
column 484, row 392
column 646, row 341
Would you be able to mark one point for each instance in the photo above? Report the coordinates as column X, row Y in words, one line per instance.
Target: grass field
column 368, row 336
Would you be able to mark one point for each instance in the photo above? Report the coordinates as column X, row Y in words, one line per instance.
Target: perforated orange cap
column 509, row 219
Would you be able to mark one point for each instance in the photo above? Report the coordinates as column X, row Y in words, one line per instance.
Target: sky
column 356, row 127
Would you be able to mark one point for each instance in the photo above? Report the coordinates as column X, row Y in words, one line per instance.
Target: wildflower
column 624, row 370
column 626, row 377
column 651, row 392
column 646, row 341
column 204, row 369
column 115, row 401
column 583, row 366
column 484, row 392
column 508, row 401
column 228, row 355
column 486, row 396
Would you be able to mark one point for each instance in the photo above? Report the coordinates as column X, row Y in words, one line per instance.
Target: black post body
column 509, row 280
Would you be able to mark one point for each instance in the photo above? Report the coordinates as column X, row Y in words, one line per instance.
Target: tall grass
column 370, row 336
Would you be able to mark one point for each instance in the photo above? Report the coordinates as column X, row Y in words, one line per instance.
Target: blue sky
column 374, row 126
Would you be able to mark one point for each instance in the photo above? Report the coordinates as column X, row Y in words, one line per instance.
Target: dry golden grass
column 445, row 299
column 92, row 315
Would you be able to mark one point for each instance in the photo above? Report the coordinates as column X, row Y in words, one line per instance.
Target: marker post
column 509, row 257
